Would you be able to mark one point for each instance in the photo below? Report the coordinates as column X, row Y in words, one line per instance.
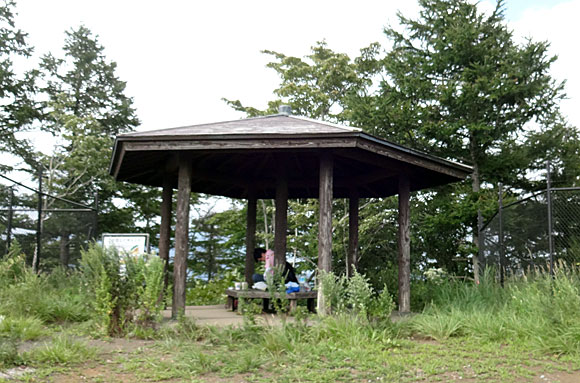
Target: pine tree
column 17, row 107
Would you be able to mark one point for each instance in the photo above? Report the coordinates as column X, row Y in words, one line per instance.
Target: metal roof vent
column 285, row 109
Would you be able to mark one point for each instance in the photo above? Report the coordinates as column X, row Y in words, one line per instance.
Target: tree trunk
column 65, row 248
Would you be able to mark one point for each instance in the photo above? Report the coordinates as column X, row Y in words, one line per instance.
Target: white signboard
column 132, row 244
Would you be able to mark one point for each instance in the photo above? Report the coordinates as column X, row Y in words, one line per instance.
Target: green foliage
column 454, row 83
column 250, row 309
column 22, row 328
column 151, row 291
column 219, row 243
column 318, row 86
column 359, row 294
column 201, row 293
column 333, row 288
column 9, row 353
column 121, row 285
column 383, row 305
column 17, row 108
column 13, row 265
column 355, row 296
column 277, row 287
column 61, row 350
column 537, row 311
column 49, row 298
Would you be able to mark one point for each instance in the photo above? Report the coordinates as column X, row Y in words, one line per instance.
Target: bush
column 13, row 266
column 122, row 287
column 355, row 296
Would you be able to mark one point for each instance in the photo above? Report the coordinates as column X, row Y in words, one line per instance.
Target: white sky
column 179, row 58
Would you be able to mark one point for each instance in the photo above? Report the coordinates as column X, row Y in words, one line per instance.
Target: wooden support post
column 281, row 224
column 352, row 258
column 250, row 237
column 325, row 224
column 404, row 242
column 165, row 227
column 181, row 237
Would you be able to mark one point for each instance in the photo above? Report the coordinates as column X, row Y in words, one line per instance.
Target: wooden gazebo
column 281, row 157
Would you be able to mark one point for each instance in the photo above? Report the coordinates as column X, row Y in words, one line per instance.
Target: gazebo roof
column 230, row 158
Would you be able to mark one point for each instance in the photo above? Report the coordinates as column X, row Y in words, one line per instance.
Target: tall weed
column 54, row 297
column 122, row 287
column 355, row 296
column 537, row 310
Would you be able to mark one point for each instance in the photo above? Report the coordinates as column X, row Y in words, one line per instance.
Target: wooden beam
column 281, row 218
column 325, row 224
column 352, row 257
column 181, row 236
column 165, row 227
column 419, row 159
column 250, row 236
column 404, row 245
column 240, row 144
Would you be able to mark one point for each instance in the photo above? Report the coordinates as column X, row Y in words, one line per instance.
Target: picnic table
column 310, row 297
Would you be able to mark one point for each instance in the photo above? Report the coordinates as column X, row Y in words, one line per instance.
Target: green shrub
column 355, row 296
column 359, row 294
column 23, row 328
column 13, row 265
column 9, row 353
column 122, row 288
column 333, row 290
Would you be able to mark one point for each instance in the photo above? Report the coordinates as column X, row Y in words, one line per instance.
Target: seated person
column 263, row 255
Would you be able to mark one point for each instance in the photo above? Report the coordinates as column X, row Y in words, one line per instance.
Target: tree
column 17, row 107
column 318, row 86
column 87, row 108
column 459, row 86
column 456, row 84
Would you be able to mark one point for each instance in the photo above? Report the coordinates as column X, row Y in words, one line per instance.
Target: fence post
column 9, row 221
column 36, row 258
column 550, row 228
column 501, row 247
column 96, row 217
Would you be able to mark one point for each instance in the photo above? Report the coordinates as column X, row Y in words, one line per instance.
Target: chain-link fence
column 534, row 231
column 65, row 226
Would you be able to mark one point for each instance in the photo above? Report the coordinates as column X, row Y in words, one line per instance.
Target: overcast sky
column 179, row 58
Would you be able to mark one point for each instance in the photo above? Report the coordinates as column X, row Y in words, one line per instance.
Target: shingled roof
column 231, row 157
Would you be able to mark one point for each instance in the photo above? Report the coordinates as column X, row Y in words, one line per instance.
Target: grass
column 470, row 332
column 536, row 312
column 22, row 328
column 60, row 350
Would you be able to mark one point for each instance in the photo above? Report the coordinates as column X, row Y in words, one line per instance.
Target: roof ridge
column 250, row 119
column 322, row 122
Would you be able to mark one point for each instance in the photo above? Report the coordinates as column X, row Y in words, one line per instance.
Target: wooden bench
column 310, row 297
